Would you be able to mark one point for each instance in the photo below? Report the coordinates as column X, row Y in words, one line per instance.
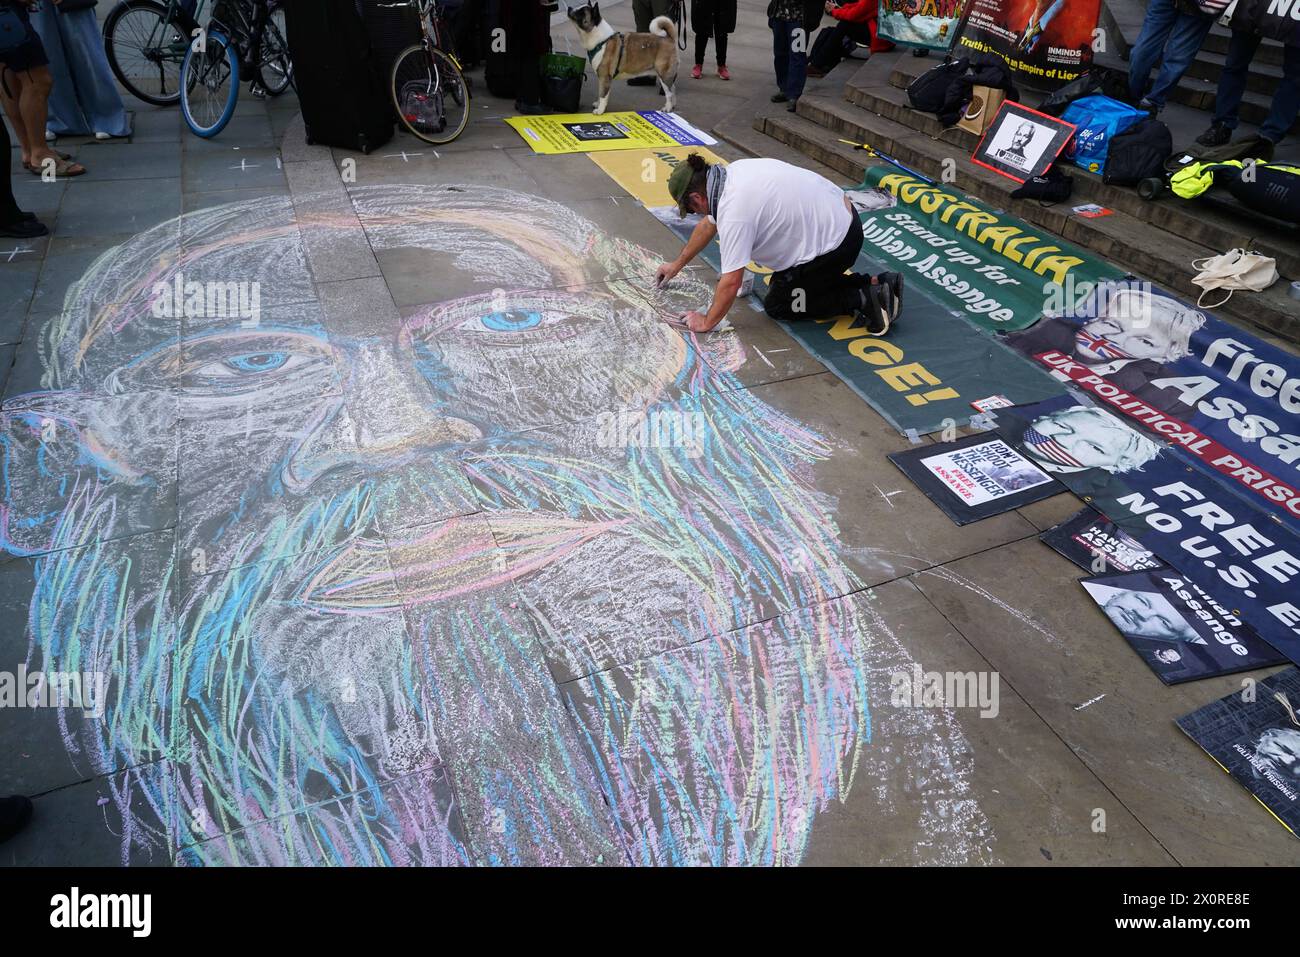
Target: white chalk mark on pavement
column 1080, row 707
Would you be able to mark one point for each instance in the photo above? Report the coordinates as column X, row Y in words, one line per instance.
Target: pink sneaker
column 723, row 73
column 697, row 71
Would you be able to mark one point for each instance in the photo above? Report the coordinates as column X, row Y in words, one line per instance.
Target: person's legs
column 797, row 70
column 720, row 44
column 63, row 113
column 11, row 89
column 1286, row 98
column 9, row 211
column 643, row 11
column 821, row 287
column 96, row 89
column 32, row 99
column 780, row 50
column 1232, row 82
column 1188, row 34
column 1150, row 44
column 701, row 47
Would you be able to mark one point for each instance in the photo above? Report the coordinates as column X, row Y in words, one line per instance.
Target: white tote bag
column 1235, row 269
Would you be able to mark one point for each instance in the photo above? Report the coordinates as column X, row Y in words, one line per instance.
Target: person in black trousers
column 712, row 18
column 792, row 23
column 14, row 223
column 527, row 25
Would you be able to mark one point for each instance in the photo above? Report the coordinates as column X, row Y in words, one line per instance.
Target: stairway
column 1155, row 240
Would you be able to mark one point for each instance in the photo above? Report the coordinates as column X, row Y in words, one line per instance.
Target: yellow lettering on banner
column 1058, row 266
column 877, row 352
column 902, row 378
column 934, row 396
column 956, row 206
column 997, row 236
column 842, row 329
column 970, row 223
column 1012, row 250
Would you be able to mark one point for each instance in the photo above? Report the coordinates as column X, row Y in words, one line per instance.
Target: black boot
column 15, row 812
column 1216, row 135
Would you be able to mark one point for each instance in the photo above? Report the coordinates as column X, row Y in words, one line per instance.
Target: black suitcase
column 392, row 26
column 343, row 101
column 499, row 71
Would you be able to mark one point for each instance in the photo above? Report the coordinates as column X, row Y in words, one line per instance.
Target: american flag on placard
column 1099, row 346
column 1049, row 449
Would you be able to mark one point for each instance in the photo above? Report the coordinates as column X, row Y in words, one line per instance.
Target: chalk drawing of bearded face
column 435, row 587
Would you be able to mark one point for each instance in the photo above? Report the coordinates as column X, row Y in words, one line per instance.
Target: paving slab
column 885, row 525
column 100, row 823
column 413, row 821
column 98, row 621
column 1064, row 657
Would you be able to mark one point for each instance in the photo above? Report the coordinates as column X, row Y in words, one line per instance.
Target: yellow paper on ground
column 644, row 173
column 590, row 133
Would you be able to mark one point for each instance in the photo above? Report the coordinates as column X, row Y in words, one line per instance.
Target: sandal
column 65, row 168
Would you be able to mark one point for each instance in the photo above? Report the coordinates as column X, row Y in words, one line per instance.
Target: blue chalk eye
column 512, row 321
column 257, row 361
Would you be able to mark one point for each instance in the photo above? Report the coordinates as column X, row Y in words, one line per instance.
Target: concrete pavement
column 393, row 575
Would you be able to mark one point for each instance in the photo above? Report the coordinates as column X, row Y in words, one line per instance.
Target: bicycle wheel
column 276, row 71
column 145, row 43
column 210, row 86
column 429, row 94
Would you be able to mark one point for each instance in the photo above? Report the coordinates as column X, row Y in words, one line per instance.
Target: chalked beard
column 273, row 696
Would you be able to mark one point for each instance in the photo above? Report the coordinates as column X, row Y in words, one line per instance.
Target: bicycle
column 430, row 94
column 145, row 42
column 211, row 71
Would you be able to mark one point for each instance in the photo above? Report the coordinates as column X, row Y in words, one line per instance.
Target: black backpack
column 1138, row 153
column 1096, row 80
column 928, row 91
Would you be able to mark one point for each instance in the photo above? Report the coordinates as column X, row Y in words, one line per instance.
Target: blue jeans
column 790, row 58
column 1286, row 98
column 84, row 99
column 1171, row 38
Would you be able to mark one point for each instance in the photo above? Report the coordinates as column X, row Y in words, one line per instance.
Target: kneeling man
column 787, row 219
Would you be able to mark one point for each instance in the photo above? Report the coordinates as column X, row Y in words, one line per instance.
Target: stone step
column 1270, row 52
column 740, row 132
column 1191, row 91
column 1203, row 224
column 1125, row 17
column 1263, row 78
column 1128, row 242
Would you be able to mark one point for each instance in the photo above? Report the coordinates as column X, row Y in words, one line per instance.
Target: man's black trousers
column 819, row 288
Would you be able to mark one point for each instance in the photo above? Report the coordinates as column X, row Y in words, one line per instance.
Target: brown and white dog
column 613, row 54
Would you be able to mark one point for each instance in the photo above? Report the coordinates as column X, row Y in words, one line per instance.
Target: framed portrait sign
column 1022, row 143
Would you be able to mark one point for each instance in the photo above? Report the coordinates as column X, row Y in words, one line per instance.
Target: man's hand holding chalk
column 665, row 272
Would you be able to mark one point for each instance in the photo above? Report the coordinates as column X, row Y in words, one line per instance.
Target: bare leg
column 10, row 90
column 33, row 100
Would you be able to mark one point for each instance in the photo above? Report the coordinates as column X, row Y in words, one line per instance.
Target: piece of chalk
column 1295, row 290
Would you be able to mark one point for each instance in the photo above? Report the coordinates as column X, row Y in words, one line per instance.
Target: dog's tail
column 664, row 27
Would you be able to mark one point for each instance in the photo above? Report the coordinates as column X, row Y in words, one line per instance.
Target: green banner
column 997, row 271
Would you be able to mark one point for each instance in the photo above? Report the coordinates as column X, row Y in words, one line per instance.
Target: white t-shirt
column 778, row 215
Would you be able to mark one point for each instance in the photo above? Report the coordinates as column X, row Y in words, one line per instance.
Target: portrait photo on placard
column 1022, row 143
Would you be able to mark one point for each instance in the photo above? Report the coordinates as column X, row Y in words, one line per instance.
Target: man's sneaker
column 894, row 282
column 875, row 308
column 15, row 812
column 642, row 81
column 697, row 71
column 257, row 89
column 780, row 98
column 1150, row 106
column 1216, row 135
